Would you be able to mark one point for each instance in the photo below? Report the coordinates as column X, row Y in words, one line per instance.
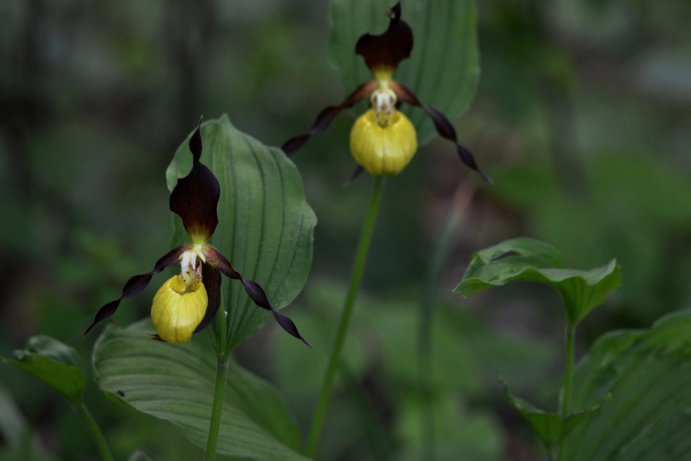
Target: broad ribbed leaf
column 54, row 363
column 176, row 383
column 529, row 260
column 443, row 69
column 648, row 374
column 551, row 428
column 265, row 225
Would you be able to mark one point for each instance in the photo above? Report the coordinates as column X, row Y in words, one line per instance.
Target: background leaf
column 176, row 383
column 19, row 442
column 550, row 427
column 443, row 69
column 54, row 363
column 648, row 374
column 529, row 260
column 265, row 225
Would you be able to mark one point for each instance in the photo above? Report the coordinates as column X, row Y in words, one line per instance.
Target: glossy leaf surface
column 443, row 69
column 54, row 363
column 265, row 225
column 648, row 374
column 529, row 260
column 176, row 383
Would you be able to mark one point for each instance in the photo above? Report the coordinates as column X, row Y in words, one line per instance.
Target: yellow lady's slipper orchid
column 178, row 309
column 382, row 140
column 383, row 148
column 186, row 303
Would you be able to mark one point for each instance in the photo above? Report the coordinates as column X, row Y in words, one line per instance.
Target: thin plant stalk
column 565, row 407
column 219, row 395
column 94, row 430
column 457, row 210
column 346, row 314
column 222, row 355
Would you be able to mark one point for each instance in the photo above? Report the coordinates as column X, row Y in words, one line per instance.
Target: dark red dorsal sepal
column 387, row 50
column 195, row 197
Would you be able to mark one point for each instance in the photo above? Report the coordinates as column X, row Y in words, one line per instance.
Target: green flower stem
column 346, row 314
column 222, row 355
column 565, row 407
column 219, row 395
column 95, row 430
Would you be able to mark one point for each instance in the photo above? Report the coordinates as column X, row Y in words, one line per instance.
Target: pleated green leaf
column 551, row 428
column 265, row 225
column 176, row 383
column 443, row 69
column 529, row 260
column 54, row 363
column 648, row 374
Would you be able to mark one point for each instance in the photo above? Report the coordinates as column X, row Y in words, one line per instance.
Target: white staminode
column 189, row 269
column 383, row 101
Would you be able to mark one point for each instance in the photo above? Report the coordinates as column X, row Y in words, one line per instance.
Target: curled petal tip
column 134, row 286
column 289, row 327
column 354, row 175
column 394, row 12
column 256, row 292
column 388, row 49
column 104, row 313
column 195, row 143
column 294, row 144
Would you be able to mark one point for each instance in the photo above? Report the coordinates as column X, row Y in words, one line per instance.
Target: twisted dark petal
column 387, row 50
column 289, row 326
column 170, row 258
column 354, row 175
column 217, row 260
column 442, row 125
column 195, row 197
column 136, row 285
column 327, row 115
column 256, row 293
column 212, row 282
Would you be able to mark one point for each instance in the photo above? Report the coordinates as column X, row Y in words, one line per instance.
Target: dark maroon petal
column 212, row 282
column 356, row 173
column 256, row 293
column 289, row 326
column 135, row 285
column 171, row 257
column 195, row 145
column 195, row 197
column 104, row 313
column 327, row 115
column 442, row 125
column 216, row 259
column 387, row 50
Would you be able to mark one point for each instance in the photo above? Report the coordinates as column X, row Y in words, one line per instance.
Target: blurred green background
column 582, row 117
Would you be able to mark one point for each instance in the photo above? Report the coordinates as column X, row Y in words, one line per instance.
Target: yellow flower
column 178, row 309
column 383, row 141
column 186, row 303
column 383, row 148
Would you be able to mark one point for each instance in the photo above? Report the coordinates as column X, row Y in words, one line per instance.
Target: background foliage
column 582, row 118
